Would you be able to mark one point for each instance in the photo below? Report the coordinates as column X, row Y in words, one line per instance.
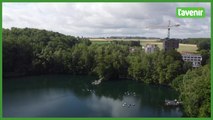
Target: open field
column 187, row 48
column 182, row 47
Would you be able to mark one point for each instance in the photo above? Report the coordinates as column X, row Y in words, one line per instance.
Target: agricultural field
column 182, row 47
column 187, row 48
column 144, row 42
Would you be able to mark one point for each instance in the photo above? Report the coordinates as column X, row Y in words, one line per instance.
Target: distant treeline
column 128, row 43
column 194, row 40
column 31, row 51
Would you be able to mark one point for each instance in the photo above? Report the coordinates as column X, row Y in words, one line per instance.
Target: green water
column 74, row 96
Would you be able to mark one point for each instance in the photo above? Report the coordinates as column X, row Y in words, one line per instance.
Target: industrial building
column 195, row 59
column 170, row 44
column 151, row 48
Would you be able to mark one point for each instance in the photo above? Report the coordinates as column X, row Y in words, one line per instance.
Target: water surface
column 74, row 96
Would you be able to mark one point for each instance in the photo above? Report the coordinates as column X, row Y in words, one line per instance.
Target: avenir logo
column 190, row 12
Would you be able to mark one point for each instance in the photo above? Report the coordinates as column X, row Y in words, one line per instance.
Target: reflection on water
column 74, row 96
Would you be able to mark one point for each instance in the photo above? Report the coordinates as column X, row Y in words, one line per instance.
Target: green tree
column 195, row 92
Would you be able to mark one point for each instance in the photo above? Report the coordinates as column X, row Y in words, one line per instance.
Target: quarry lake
column 75, row 96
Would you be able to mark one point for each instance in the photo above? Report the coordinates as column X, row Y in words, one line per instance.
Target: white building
column 194, row 58
column 150, row 48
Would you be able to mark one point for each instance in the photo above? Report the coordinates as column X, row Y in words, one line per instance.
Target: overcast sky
column 106, row 19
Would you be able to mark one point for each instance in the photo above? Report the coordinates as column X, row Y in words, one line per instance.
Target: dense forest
column 32, row 52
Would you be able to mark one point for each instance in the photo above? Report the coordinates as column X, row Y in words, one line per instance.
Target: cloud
column 106, row 19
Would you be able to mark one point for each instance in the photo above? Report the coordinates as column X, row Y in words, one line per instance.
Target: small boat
column 174, row 102
column 124, row 104
column 97, row 82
